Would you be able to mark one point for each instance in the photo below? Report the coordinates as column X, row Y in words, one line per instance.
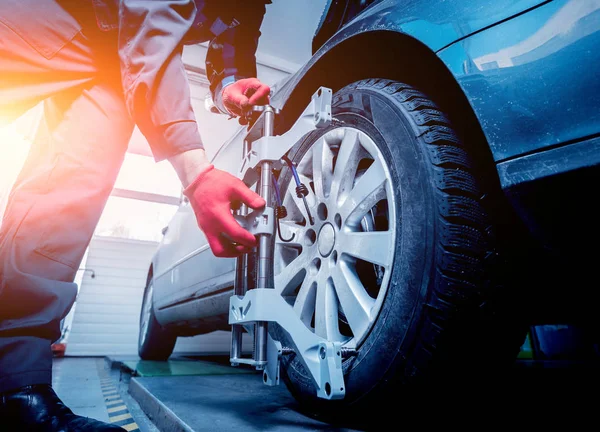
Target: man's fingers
column 222, row 248
column 235, row 102
column 244, row 194
column 236, row 233
column 240, row 249
column 260, row 95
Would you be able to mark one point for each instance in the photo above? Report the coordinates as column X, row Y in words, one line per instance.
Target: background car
column 452, row 196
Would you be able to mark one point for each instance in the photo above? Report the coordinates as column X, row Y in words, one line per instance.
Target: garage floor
column 91, row 389
column 206, row 394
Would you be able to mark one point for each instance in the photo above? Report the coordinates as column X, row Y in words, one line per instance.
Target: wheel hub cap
column 326, row 239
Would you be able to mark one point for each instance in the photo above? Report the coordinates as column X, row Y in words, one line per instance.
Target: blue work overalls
column 100, row 67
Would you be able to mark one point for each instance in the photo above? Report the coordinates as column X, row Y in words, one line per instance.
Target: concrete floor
column 226, row 403
column 184, row 394
column 190, row 393
column 90, row 388
column 206, row 394
column 77, row 383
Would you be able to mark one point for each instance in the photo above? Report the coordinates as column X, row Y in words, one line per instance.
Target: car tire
column 154, row 342
column 445, row 306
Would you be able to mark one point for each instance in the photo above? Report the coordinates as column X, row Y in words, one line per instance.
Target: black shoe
column 37, row 408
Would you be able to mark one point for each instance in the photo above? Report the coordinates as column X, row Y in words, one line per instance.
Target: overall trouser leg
column 56, row 202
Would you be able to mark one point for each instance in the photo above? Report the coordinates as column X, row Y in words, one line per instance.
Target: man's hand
column 212, row 195
column 243, row 94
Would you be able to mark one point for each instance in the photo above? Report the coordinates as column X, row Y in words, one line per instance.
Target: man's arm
column 231, row 56
column 155, row 82
column 157, row 95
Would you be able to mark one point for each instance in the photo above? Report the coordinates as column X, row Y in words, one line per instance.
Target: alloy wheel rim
column 325, row 271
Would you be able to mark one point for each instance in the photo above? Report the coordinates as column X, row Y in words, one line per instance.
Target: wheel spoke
column 304, row 305
column 346, row 164
column 322, row 168
column 367, row 191
column 291, row 275
column 326, row 310
column 355, row 301
column 374, row 247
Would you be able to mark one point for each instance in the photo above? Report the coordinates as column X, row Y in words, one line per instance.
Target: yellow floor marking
column 117, row 408
column 112, row 399
column 119, row 417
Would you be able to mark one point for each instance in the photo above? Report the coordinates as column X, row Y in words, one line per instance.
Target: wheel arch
column 380, row 54
column 397, row 56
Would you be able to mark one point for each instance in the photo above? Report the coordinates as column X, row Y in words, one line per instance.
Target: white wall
column 107, row 310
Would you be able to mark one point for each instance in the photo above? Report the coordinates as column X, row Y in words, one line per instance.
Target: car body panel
column 436, row 25
column 520, row 79
column 184, row 266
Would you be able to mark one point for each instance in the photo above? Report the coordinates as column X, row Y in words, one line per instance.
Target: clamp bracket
column 254, row 309
column 321, row 358
column 263, row 148
column 258, row 221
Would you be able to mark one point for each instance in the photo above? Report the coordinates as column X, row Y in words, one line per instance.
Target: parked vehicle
column 455, row 185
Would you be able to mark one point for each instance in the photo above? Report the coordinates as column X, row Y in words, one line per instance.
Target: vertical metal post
column 265, row 256
column 240, row 287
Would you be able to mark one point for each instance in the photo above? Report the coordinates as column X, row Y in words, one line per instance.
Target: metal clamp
column 258, row 221
column 261, row 148
column 254, row 309
column 321, row 358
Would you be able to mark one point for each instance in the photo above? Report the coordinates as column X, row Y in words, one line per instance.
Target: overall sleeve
column 232, row 54
column 155, row 83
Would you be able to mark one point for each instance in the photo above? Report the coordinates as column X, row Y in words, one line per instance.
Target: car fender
column 419, row 20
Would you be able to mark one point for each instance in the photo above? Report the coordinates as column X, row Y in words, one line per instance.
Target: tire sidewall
column 158, row 343
column 143, row 347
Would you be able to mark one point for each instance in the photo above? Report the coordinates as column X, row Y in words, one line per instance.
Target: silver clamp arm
column 261, row 148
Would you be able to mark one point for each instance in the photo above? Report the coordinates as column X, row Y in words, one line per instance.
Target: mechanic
column 101, row 67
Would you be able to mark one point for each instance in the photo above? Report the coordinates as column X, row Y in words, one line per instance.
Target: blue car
column 450, row 202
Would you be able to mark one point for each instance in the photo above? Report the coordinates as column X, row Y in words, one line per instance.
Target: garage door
column 106, row 313
column 107, row 308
